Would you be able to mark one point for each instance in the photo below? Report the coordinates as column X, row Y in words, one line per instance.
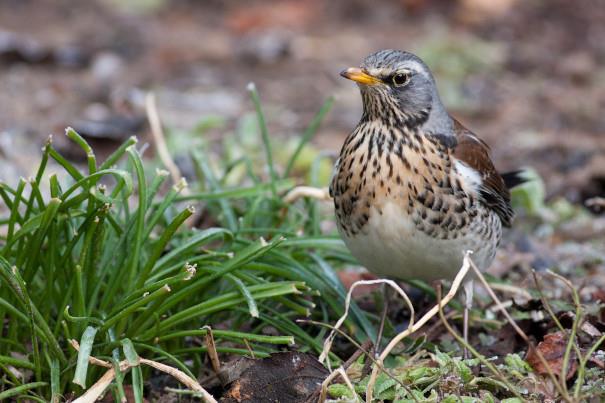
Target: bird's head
column 398, row 87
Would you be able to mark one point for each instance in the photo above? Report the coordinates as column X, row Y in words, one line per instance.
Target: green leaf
column 309, row 134
column 340, row 391
column 19, row 390
column 265, row 135
column 130, row 352
column 530, row 195
column 464, row 371
column 515, row 362
column 55, row 379
column 86, row 343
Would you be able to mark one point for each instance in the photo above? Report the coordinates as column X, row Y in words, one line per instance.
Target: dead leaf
column 553, row 349
column 599, row 296
column 282, row 377
column 590, row 329
column 598, row 362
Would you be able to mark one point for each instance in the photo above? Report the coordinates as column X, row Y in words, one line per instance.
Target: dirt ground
column 527, row 76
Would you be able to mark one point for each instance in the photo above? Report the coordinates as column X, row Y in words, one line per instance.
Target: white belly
column 390, row 245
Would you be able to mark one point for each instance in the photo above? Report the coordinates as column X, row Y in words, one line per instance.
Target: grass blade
column 137, row 376
column 264, row 134
column 158, row 248
column 86, row 343
column 55, row 379
column 246, row 294
column 309, row 134
column 18, row 390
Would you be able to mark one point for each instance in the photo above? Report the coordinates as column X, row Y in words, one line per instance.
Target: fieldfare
column 413, row 189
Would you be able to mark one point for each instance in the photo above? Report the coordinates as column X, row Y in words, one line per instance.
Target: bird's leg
column 383, row 316
column 375, row 351
column 468, row 304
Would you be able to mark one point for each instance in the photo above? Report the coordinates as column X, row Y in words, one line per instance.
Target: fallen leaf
column 282, row 377
column 591, row 330
column 597, row 361
column 599, row 296
column 553, row 349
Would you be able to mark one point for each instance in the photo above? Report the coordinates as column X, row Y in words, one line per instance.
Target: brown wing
column 474, row 152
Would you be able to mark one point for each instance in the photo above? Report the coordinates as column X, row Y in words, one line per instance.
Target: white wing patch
column 470, row 177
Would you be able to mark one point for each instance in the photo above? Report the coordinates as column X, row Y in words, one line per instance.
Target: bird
column 413, row 189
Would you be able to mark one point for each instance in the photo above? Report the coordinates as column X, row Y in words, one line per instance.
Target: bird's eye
column 400, row 79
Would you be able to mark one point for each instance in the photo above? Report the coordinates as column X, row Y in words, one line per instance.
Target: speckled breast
column 403, row 209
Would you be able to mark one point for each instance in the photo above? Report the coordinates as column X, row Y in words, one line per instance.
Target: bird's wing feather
column 474, row 152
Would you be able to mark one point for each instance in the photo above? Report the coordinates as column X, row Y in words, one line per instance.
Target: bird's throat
column 379, row 107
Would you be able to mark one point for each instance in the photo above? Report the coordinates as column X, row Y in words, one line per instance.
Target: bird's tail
column 514, row 178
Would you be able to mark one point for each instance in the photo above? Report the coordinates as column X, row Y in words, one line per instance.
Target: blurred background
column 527, row 76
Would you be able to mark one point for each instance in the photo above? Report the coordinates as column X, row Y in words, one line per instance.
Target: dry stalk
column 470, row 348
column 466, row 264
column 520, row 332
column 249, row 348
column 582, row 359
column 572, row 336
column 94, row 361
column 328, row 342
column 511, row 289
column 213, row 354
column 159, row 139
column 181, row 377
column 96, row 390
column 360, row 350
column 574, row 329
column 324, row 385
column 307, row 191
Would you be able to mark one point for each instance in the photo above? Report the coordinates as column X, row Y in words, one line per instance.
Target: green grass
column 108, row 256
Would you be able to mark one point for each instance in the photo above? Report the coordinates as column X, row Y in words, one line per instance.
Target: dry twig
column 96, row 390
column 415, row 327
column 213, row 354
column 520, row 332
column 307, row 191
column 324, row 385
column 159, row 139
column 330, row 338
column 470, row 348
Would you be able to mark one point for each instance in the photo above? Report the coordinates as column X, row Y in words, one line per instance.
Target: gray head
column 398, row 87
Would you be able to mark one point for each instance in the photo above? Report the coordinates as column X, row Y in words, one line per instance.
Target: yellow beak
column 357, row 75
